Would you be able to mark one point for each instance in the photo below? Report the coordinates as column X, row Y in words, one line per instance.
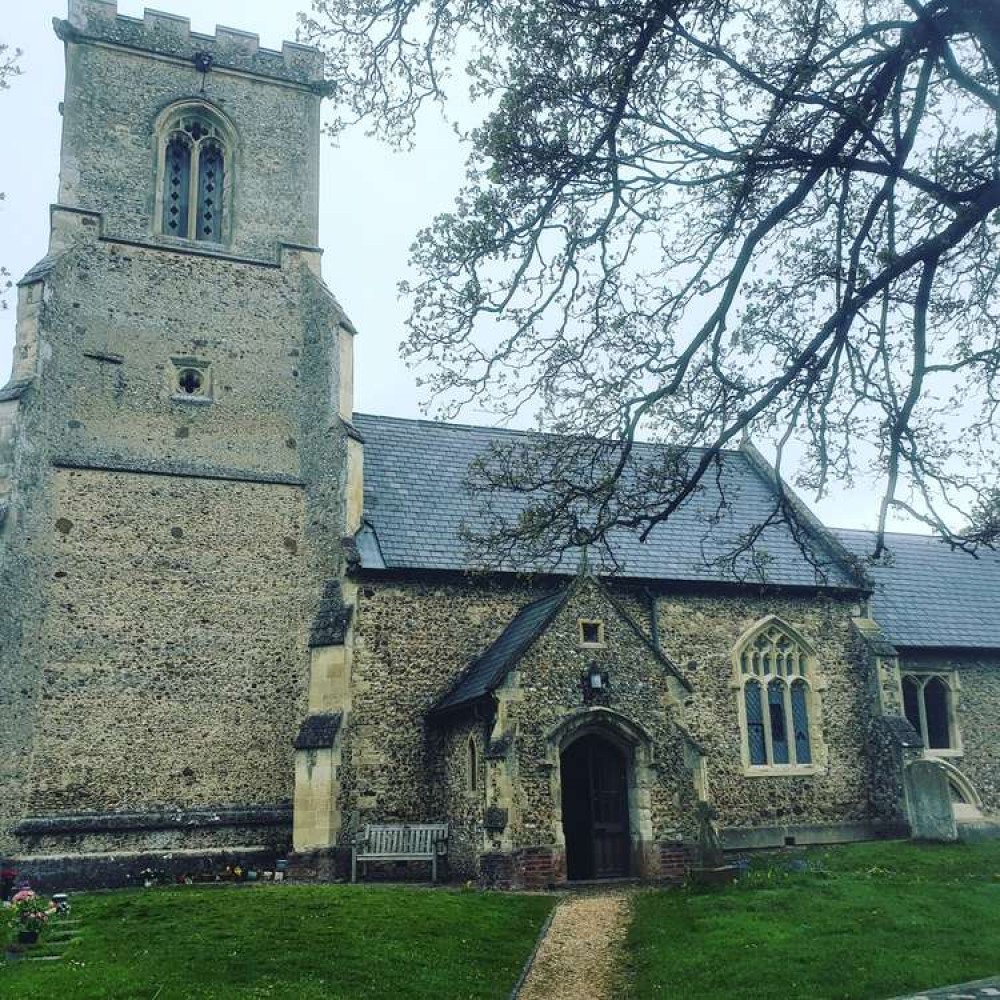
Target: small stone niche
column 191, row 380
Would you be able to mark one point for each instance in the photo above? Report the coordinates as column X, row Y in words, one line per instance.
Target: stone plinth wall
column 528, row 868
column 226, row 828
column 124, row 870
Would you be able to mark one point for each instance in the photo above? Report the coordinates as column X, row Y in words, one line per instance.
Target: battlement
column 170, row 35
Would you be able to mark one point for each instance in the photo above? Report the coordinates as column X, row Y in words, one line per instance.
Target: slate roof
column 491, row 667
column 416, row 501
column 14, row 389
column 930, row 595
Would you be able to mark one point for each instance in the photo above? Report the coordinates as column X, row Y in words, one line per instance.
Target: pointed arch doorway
column 595, row 809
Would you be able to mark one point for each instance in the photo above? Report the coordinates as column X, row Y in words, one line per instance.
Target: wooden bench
column 399, row 842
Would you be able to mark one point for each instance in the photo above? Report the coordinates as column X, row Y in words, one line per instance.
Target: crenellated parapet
column 167, row 34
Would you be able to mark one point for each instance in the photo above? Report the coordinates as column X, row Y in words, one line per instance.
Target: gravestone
column 928, row 798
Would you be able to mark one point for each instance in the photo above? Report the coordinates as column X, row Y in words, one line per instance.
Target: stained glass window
column 773, row 665
column 800, row 723
column 779, row 726
column 211, row 174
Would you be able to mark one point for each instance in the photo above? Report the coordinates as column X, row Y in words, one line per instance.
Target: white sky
column 373, row 202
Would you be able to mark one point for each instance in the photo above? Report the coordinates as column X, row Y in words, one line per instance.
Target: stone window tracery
column 195, row 175
column 776, row 700
column 929, row 704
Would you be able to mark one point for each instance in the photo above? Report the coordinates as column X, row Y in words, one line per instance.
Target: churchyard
column 859, row 922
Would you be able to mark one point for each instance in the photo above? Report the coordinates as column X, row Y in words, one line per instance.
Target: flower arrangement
column 29, row 913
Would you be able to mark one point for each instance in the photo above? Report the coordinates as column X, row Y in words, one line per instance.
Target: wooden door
column 609, row 811
column 595, row 809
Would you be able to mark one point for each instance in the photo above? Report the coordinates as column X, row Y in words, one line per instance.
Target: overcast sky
column 373, row 202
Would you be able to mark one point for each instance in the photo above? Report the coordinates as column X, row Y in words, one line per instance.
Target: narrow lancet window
column 177, row 187
column 211, row 176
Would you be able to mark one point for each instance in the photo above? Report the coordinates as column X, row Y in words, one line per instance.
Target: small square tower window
column 591, row 632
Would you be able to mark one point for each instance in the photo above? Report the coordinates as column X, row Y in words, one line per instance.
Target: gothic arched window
column 929, row 703
column 195, row 173
column 775, row 698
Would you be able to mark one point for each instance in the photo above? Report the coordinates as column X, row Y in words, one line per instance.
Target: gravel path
column 580, row 958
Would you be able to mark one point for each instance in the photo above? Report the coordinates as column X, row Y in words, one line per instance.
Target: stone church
column 238, row 619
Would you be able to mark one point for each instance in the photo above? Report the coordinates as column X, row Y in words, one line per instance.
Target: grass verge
column 279, row 942
column 858, row 922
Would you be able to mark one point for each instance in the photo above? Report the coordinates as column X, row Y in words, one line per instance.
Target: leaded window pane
column 800, row 722
column 755, row 724
column 176, row 188
column 779, row 727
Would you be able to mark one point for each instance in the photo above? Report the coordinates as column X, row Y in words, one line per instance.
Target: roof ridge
column 520, row 432
column 874, row 531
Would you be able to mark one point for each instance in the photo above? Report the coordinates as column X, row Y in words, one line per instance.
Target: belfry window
column 195, row 176
column 775, row 699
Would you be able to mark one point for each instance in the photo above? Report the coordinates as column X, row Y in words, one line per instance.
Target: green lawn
column 874, row 921
column 288, row 941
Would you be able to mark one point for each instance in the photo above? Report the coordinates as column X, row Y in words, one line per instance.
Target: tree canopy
column 698, row 220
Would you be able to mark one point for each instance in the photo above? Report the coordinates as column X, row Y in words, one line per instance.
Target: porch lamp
column 597, row 679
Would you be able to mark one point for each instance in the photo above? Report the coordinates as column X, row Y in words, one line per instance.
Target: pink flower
column 23, row 896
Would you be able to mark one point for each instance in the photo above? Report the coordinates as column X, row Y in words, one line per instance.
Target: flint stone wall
column 164, row 559
column 414, row 638
column 548, row 689
column 109, row 152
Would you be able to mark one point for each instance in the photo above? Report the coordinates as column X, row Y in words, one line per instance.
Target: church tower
column 173, row 450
